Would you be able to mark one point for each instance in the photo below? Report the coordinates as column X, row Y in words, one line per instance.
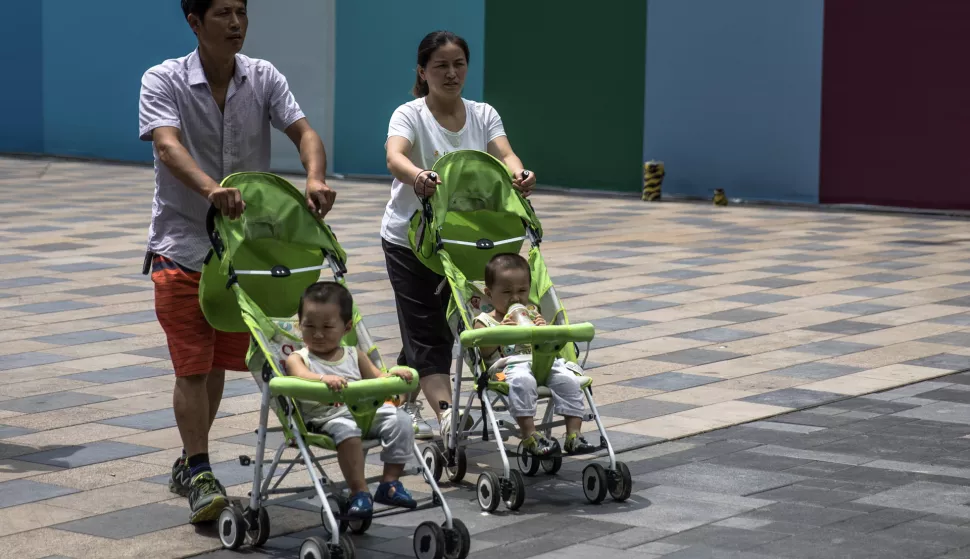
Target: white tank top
column 316, row 414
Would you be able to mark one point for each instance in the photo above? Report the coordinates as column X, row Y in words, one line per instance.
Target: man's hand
column 334, row 382
column 229, row 201
column 523, row 183
column 400, row 372
column 319, row 197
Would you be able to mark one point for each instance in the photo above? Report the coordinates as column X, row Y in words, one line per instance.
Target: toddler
column 507, row 282
column 326, row 316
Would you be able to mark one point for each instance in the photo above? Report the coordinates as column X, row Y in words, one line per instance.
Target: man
column 208, row 115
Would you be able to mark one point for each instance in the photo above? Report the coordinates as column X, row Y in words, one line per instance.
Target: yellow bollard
column 653, row 178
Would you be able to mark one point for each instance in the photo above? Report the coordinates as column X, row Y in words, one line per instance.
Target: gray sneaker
column 422, row 429
column 207, row 498
column 181, row 478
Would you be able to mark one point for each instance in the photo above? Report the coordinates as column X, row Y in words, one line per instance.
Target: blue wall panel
column 376, row 57
column 94, row 56
column 733, row 96
column 21, row 94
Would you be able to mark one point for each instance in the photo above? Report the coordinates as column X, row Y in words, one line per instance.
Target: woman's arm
column 399, row 164
column 501, row 149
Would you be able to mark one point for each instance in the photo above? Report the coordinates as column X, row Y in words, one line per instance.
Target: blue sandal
column 394, row 494
column 361, row 506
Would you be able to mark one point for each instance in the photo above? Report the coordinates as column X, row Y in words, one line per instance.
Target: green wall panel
column 568, row 79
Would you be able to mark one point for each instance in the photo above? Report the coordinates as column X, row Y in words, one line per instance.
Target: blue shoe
column 361, row 506
column 394, row 494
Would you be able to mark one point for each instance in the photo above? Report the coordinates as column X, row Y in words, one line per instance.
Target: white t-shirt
column 429, row 141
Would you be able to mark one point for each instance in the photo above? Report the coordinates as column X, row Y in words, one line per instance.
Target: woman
column 437, row 122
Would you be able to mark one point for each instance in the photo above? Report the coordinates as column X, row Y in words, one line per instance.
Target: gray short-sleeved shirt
column 176, row 93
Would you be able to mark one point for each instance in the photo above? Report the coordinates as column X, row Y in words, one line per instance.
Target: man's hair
column 199, row 7
column 503, row 262
column 329, row 292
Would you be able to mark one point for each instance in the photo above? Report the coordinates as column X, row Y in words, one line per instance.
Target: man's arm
column 312, row 154
column 172, row 154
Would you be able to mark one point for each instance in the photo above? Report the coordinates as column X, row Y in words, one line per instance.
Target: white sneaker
column 445, row 423
column 422, row 429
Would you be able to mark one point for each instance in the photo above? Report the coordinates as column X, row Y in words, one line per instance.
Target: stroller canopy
column 275, row 250
column 474, row 214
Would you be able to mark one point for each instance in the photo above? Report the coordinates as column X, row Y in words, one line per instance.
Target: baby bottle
column 520, row 315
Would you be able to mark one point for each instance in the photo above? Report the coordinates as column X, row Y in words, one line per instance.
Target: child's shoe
column 537, row 445
column 394, row 494
column 361, row 506
column 577, row 444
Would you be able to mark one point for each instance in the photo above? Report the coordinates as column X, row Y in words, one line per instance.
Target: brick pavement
column 706, row 317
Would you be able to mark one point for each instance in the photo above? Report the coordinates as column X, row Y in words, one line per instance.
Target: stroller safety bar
column 379, row 388
column 535, row 335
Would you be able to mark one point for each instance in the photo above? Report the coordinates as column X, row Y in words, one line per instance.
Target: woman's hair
column 432, row 42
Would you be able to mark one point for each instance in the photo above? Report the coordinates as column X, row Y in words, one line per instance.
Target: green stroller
column 474, row 214
column 252, row 281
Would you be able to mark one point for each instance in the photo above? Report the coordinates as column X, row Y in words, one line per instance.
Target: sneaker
column 394, row 494
column 577, row 444
column 181, row 479
column 422, row 429
column 361, row 506
column 207, row 498
column 464, row 423
column 537, row 445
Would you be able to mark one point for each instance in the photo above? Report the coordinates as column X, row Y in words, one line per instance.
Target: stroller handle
column 535, row 335
column 378, row 388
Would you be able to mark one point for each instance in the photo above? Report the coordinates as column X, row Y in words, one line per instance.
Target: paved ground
column 706, row 317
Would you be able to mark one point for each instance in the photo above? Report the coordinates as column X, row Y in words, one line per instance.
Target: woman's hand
column 401, row 373
column 426, row 183
column 334, row 382
column 524, row 181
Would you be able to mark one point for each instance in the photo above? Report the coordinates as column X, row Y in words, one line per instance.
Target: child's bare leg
column 573, row 425
column 527, row 425
column 392, row 472
column 350, row 456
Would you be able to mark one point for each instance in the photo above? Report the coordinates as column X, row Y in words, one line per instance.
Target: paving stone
column 131, row 318
column 754, row 461
column 52, row 307
column 882, row 278
column 877, row 520
column 150, row 421
column 945, row 395
column 30, row 281
column 129, row 523
column 846, row 327
column 694, row 357
column 959, row 339
column 962, row 319
column 947, row 412
column 739, row 315
column 815, row 371
column 22, row 491
column 80, row 267
column 84, row 337
column 52, row 401
column 827, row 543
column 601, row 342
column 610, row 324
column 957, row 302
column 705, row 476
column 717, row 335
column 532, row 545
column 639, row 408
column 660, row 288
column 871, row 292
column 793, row 398
column 722, row 537
column 787, row 270
column 946, row 361
column 106, row 290
column 574, row 279
column 119, row 374
column 6, row 431
column 683, row 274
column 160, row 352
column 631, row 307
column 230, row 473
column 56, row 247
column 671, row 381
column 758, row 298
column 861, row 309
column 785, row 427
column 773, row 283
column 831, row 348
column 87, row 454
column 631, row 537
column 802, row 514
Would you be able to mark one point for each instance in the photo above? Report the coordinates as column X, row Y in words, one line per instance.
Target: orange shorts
column 195, row 346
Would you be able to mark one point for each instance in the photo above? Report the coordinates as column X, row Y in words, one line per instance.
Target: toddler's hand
column 401, row 373
column 539, row 321
column 509, row 322
column 334, row 382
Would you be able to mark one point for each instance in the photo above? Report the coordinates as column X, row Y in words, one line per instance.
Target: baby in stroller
column 325, row 317
column 507, row 283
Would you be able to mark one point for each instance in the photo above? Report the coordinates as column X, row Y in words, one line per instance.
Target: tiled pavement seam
column 705, row 317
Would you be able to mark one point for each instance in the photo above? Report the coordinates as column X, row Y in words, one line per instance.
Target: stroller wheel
column 489, row 491
column 552, row 465
column 232, row 528
column 621, row 482
column 594, row 483
column 515, row 494
column 359, row 526
column 260, row 533
column 458, row 541
column 429, row 541
column 457, row 473
column 338, row 507
column 432, row 462
column 314, row 548
column 347, row 547
column 528, row 464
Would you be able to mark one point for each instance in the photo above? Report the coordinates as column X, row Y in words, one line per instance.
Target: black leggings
column 421, row 314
